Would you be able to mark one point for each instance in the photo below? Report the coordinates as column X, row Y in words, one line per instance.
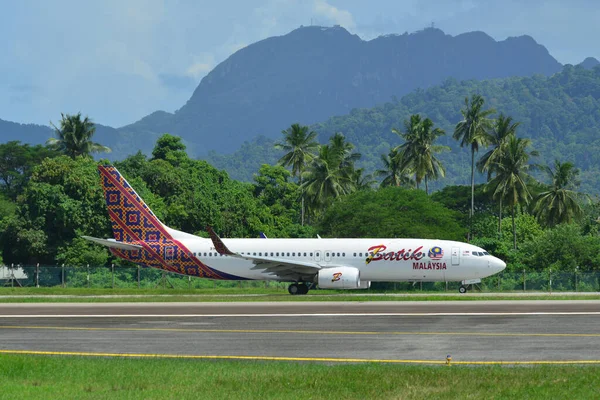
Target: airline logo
column 436, row 253
column 378, row 253
column 336, row 276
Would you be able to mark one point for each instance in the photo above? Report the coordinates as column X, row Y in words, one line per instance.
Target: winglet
column 218, row 243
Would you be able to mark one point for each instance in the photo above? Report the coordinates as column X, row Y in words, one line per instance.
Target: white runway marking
column 294, row 315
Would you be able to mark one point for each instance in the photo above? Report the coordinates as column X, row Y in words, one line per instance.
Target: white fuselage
column 391, row 259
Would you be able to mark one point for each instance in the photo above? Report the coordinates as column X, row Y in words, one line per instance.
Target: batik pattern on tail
column 133, row 222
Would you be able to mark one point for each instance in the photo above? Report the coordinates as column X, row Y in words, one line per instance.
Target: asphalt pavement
column 421, row 332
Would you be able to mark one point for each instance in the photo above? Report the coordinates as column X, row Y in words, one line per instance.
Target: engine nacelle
column 340, row 278
column 364, row 285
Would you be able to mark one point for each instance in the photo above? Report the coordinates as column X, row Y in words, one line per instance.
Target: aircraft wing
column 283, row 268
column 113, row 243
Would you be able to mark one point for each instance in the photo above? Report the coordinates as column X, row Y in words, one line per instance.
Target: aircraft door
column 455, row 256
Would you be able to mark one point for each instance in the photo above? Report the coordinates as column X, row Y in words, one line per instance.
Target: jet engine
column 341, row 278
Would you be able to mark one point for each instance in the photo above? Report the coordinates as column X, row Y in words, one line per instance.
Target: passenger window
column 338, row 254
column 288, row 254
column 354, row 255
column 326, row 254
column 271, row 254
column 305, row 254
column 343, row 254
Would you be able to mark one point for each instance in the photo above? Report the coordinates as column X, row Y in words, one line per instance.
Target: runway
column 417, row 332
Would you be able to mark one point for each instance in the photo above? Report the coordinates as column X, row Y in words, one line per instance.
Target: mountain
column 589, row 63
column 314, row 72
column 26, row 133
column 560, row 114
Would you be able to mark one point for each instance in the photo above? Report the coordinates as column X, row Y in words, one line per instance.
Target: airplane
column 140, row 237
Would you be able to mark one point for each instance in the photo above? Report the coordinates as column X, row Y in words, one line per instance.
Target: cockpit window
column 486, row 253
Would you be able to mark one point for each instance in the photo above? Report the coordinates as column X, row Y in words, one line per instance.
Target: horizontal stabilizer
column 113, row 243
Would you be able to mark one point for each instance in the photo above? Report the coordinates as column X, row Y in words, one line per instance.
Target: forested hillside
column 560, row 114
column 315, row 72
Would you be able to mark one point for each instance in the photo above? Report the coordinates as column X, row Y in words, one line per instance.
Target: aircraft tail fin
column 131, row 219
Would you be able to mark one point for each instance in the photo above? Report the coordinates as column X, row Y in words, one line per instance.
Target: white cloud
column 201, row 66
column 339, row 17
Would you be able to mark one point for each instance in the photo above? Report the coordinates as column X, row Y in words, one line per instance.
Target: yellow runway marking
column 266, row 358
column 305, row 332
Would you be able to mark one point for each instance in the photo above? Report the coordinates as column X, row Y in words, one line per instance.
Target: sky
column 119, row 60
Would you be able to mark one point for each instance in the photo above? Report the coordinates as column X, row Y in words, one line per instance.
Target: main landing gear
column 462, row 289
column 298, row 288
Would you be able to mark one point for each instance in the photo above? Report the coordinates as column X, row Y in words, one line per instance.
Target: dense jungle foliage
column 50, row 195
column 560, row 114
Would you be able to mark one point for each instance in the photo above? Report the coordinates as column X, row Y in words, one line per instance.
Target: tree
column 472, row 131
column 170, row 148
column 74, row 137
column 331, row 174
column 16, row 164
column 363, row 181
column 503, row 127
column 417, row 153
column 560, row 203
column 273, row 189
column 391, row 212
column 392, row 173
column 300, row 146
column 511, row 176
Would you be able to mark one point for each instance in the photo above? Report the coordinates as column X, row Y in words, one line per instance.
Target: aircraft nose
column 497, row 264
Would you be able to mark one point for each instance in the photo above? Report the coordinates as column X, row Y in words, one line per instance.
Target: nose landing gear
column 468, row 284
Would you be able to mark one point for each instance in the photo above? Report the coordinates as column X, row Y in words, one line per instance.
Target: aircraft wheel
column 462, row 289
column 303, row 288
column 294, row 289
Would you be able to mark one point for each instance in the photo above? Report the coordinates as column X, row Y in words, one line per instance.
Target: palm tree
column 331, row 174
column 503, row 127
column 417, row 154
column 410, row 135
column 472, row 131
column 300, row 146
column 511, row 169
column 343, row 150
column 74, row 137
column 393, row 174
column 559, row 204
column 363, row 181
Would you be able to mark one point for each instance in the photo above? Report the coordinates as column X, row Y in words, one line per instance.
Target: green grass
column 83, row 295
column 52, row 377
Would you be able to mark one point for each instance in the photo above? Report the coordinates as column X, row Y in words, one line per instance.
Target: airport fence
column 148, row 278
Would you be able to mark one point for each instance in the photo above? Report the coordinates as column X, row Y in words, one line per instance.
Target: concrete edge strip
column 295, row 315
column 276, row 358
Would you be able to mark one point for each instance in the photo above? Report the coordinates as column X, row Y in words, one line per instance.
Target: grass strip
column 82, row 295
column 43, row 377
